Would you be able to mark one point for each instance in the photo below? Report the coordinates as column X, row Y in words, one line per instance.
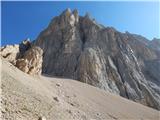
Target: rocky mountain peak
column 75, row 12
column 69, row 17
column 79, row 48
column 76, row 15
column 66, row 12
column 99, row 56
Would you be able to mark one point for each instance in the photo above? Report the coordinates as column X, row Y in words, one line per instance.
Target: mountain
column 155, row 44
column 79, row 48
column 26, row 97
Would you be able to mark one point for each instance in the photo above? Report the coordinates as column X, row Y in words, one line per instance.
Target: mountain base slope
column 26, row 97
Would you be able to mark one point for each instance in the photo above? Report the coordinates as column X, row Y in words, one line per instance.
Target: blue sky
column 22, row 20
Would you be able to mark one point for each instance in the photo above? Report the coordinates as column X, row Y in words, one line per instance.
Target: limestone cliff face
column 79, row 48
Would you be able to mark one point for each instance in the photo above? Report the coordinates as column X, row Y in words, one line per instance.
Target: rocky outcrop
column 26, row 58
column 79, row 48
column 14, row 52
column 10, row 52
column 31, row 62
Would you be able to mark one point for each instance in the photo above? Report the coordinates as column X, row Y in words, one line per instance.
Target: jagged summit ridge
column 70, row 17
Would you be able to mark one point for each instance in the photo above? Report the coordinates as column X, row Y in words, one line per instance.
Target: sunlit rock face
column 31, row 62
column 122, row 63
column 16, row 51
column 28, row 59
column 78, row 47
column 10, row 52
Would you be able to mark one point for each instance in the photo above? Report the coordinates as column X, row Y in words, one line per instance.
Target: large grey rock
column 79, row 48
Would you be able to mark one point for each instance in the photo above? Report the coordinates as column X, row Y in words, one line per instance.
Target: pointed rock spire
column 69, row 17
column 67, row 12
column 75, row 13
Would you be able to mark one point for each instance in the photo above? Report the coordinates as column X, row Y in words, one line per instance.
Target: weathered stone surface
column 14, row 52
column 42, row 118
column 31, row 62
column 102, row 57
column 155, row 44
column 26, row 58
column 24, row 46
column 79, row 48
column 22, row 64
column 10, row 52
